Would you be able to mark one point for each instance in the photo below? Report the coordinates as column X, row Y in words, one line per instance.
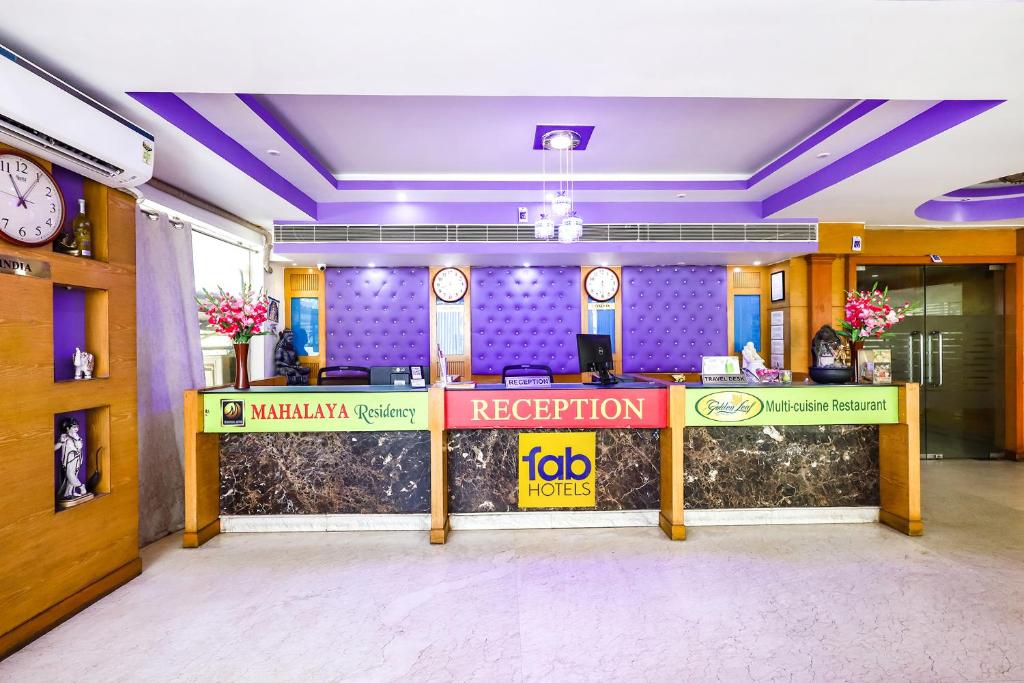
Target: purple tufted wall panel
column 525, row 315
column 378, row 316
column 671, row 316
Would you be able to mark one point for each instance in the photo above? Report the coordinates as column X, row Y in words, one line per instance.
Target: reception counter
column 638, row 453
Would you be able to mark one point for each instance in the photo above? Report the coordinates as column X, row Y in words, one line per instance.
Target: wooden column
column 899, row 465
column 670, row 519
column 439, row 524
column 819, row 286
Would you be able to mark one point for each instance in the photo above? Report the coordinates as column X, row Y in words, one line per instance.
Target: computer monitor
column 400, row 375
column 595, row 352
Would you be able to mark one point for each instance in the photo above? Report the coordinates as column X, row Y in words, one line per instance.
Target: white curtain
column 170, row 361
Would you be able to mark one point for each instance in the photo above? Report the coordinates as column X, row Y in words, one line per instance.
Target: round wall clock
column 450, row 284
column 602, row 284
column 31, row 205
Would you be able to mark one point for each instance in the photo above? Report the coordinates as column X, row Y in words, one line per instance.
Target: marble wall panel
column 324, row 473
column 765, row 467
column 483, row 469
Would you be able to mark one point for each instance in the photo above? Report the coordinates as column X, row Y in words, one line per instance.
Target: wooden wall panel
column 54, row 563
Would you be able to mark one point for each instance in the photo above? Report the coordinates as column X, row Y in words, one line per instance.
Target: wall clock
column 31, row 204
column 450, row 284
column 602, row 284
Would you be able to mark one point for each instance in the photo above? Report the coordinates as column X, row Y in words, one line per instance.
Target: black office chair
column 343, row 375
column 527, row 370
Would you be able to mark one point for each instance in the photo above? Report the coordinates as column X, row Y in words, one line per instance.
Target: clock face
column 602, row 284
column 31, row 205
column 450, row 284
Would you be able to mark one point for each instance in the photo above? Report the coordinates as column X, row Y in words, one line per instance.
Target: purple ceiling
column 769, row 164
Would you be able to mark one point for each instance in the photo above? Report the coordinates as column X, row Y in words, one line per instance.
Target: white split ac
column 45, row 116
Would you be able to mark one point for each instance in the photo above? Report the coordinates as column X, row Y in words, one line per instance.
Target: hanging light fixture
column 563, row 142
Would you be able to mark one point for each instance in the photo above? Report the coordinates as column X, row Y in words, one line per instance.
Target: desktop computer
column 595, row 353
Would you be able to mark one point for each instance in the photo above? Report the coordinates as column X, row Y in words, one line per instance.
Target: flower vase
column 242, row 366
column 855, row 349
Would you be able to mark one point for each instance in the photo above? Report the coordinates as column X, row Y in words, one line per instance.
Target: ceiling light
column 680, row 195
column 402, row 197
column 966, row 199
column 273, row 152
column 874, row 275
column 561, row 140
column 823, row 155
column 372, row 265
column 526, row 265
column 736, row 269
column 561, row 205
column 544, row 228
column 757, row 263
column 571, row 229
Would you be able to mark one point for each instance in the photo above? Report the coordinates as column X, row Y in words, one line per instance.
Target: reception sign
column 557, row 470
column 797, row 405
column 555, row 408
column 315, row 412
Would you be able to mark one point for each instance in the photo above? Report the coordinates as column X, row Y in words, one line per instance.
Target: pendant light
column 563, row 142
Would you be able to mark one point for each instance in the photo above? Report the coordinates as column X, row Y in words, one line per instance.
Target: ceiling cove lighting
column 560, row 203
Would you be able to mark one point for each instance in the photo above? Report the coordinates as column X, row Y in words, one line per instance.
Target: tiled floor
column 797, row 603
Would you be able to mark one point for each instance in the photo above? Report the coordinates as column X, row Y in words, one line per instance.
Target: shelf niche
column 80, row 318
column 94, row 428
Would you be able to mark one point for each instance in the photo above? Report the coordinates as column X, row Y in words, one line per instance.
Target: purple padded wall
column 378, row 316
column 525, row 315
column 671, row 316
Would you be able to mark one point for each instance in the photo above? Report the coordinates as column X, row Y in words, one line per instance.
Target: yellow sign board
column 557, row 469
column 791, row 405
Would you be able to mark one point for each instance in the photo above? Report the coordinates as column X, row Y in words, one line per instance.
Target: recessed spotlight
column 372, row 265
column 965, row 199
column 823, row 155
column 874, row 275
column 757, row 263
column 736, row 269
column 680, row 195
column 273, row 152
column 526, row 265
column 401, row 197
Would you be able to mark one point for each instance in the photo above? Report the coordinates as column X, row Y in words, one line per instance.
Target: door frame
column 1013, row 317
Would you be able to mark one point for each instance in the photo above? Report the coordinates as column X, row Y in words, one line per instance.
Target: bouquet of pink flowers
column 869, row 314
column 239, row 316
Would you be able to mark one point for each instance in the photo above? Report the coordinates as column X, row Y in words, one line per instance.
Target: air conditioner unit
column 44, row 116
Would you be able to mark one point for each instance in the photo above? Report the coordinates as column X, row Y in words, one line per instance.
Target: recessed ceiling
column 398, row 136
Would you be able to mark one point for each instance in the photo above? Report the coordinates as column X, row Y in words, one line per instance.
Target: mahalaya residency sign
column 796, row 405
column 315, row 412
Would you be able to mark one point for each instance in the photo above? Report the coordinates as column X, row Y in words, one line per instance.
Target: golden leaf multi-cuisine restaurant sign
column 810, row 405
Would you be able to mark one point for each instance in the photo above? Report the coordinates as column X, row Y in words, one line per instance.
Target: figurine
column 70, row 445
column 828, row 350
column 286, row 360
column 84, row 364
column 752, row 362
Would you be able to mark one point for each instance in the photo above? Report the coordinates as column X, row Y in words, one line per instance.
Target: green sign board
column 795, row 405
column 315, row 412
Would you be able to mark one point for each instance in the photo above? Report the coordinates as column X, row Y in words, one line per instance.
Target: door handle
column 928, row 352
column 910, row 357
column 938, row 335
column 920, row 355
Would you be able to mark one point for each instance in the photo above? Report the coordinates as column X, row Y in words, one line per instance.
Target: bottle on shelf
column 83, row 232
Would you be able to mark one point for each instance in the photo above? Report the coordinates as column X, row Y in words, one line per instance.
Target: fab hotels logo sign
column 557, row 470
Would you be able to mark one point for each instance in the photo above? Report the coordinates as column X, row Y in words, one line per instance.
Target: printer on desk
column 399, row 375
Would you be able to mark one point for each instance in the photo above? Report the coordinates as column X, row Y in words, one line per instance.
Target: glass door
column 951, row 343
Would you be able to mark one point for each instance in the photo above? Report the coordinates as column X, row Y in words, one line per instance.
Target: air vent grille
column 642, row 232
column 746, row 279
column 303, row 282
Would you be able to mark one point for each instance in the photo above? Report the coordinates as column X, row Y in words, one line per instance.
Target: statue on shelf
column 71, row 490
column 286, row 360
column 828, row 349
column 84, row 364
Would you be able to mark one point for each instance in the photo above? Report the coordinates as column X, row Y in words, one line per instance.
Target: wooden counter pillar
column 439, row 524
column 899, row 465
column 202, row 476
column 670, row 518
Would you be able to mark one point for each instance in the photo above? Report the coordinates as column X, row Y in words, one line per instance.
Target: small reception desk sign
column 811, row 405
column 527, row 382
column 315, row 412
column 557, row 470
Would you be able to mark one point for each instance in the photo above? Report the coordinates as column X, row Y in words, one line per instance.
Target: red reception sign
column 523, row 409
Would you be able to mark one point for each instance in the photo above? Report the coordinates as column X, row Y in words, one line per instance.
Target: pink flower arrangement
column 239, row 316
column 869, row 314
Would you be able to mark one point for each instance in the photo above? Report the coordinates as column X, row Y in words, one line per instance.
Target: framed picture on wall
column 273, row 310
column 778, row 286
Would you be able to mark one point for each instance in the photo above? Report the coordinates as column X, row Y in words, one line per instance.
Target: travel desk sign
column 557, row 470
column 314, row 412
column 752, row 406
